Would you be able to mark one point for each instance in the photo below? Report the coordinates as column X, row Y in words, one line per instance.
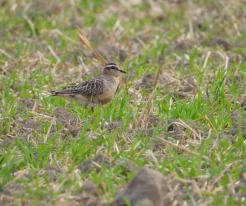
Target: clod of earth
column 148, row 187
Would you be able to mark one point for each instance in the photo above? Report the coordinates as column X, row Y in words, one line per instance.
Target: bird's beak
column 121, row 71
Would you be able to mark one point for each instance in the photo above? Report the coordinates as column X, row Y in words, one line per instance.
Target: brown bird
column 98, row 91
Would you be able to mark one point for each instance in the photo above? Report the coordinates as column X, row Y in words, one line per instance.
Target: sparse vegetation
column 191, row 126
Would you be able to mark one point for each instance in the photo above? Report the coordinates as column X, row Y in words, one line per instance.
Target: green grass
column 40, row 160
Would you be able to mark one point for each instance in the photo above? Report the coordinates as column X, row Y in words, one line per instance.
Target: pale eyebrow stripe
column 111, row 64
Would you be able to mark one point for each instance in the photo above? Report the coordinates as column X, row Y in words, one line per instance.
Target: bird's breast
column 106, row 97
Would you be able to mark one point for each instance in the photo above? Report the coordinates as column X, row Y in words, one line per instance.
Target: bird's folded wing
column 88, row 88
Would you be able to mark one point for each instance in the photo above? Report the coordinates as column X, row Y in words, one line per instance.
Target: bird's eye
column 115, row 68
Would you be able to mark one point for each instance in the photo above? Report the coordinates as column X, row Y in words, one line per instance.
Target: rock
column 148, row 187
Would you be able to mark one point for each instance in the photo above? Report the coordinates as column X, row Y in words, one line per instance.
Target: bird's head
column 111, row 69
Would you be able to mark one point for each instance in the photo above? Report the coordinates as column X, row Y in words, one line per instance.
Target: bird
column 97, row 91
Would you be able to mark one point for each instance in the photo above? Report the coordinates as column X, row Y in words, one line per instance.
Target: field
column 181, row 111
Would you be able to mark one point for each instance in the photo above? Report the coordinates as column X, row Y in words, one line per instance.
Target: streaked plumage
column 88, row 88
column 96, row 91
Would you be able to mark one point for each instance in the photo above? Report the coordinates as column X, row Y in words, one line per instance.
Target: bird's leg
column 85, row 106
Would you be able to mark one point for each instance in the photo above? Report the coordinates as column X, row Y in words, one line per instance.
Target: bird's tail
column 61, row 92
